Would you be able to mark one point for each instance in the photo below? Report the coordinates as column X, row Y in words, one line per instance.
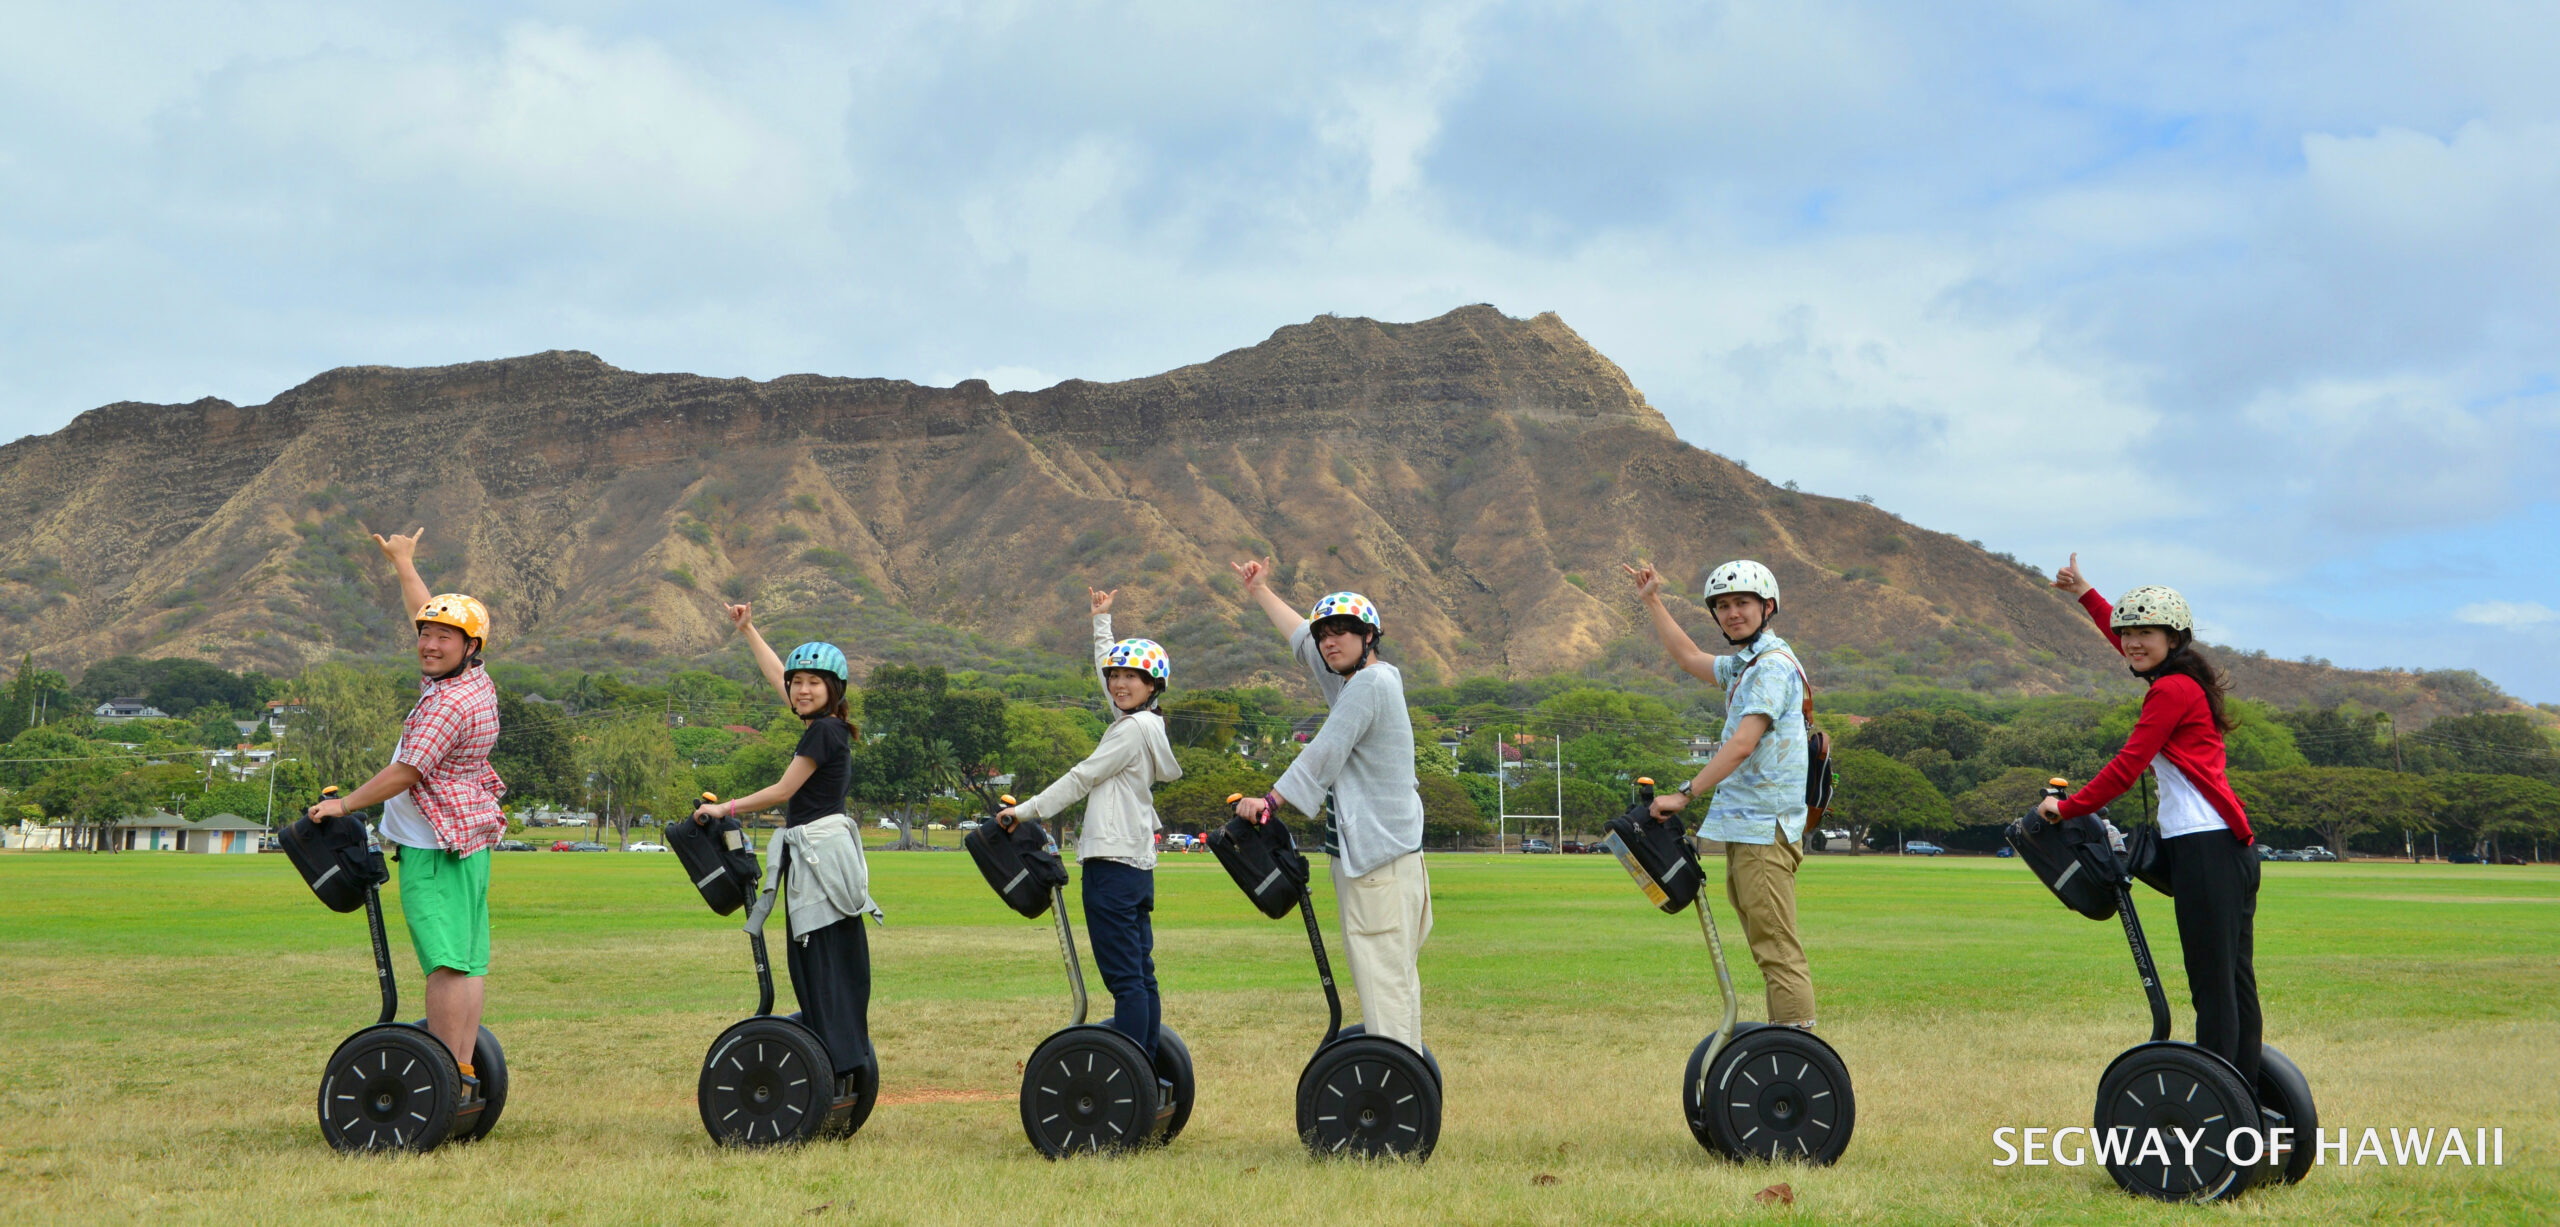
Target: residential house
column 157, row 831
column 222, row 833
column 127, row 709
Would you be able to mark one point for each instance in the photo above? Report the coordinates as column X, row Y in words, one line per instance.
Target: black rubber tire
column 1775, row 1093
column 2282, row 1088
column 1089, row 1089
column 393, row 1086
column 2169, row 1085
column 489, row 1064
column 1689, row 1079
column 1371, row 1098
column 765, row 1082
column 1356, row 1030
column 1173, row 1064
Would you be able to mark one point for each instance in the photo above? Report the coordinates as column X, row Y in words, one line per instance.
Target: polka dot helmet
column 2153, row 605
column 1346, row 605
column 1144, row 655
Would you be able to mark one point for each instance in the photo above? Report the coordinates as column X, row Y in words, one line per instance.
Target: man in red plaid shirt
column 439, row 803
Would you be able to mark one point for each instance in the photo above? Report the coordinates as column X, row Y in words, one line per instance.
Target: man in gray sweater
column 1358, row 773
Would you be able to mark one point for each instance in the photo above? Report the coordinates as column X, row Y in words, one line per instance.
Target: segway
column 2162, row 1084
column 1087, row 1087
column 1751, row 1090
column 1360, row 1094
column 392, row 1085
column 768, row 1080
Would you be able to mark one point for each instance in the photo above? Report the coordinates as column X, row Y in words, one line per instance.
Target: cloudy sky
column 2259, row 300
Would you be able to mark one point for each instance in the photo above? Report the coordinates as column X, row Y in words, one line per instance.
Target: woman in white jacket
column 1117, row 848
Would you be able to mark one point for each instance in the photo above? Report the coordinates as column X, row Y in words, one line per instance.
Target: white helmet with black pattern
column 2153, row 605
column 1744, row 575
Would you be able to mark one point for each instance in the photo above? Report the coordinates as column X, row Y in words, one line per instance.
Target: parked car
column 2267, row 852
column 2317, row 853
column 970, row 825
column 2004, row 850
column 586, row 845
column 514, row 845
column 645, row 846
column 1921, row 847
column 1536, row 845
column 562, row 845
column 1572, row 846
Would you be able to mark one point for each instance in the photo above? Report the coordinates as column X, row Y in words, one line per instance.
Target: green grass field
column 163, row 1019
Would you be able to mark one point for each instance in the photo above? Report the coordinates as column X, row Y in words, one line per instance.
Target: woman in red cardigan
column 2204, row 833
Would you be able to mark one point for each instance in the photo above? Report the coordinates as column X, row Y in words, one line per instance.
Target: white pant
column 1386, row 916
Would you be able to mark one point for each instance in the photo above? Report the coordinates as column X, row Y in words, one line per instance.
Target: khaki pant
column 1386, row 916
column 1760, row 879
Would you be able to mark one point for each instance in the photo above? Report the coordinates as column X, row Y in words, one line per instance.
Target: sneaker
column 1807, row 1025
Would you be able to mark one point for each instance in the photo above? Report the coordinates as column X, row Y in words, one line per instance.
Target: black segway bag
column 2073, row 859
column 1264, row 860
column 716, row 860
column 1021, row 864
column 1657, row 855
column 335, row 859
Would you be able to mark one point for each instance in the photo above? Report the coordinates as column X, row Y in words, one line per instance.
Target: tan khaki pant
column 1760, row 879
column 1386, row 916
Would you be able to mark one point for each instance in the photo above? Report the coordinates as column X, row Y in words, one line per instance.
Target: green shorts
column 446, row 900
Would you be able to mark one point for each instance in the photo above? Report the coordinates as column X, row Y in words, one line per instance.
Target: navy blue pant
column 1119, row 919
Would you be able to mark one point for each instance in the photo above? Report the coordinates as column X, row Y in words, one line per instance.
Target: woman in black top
column 830, row 965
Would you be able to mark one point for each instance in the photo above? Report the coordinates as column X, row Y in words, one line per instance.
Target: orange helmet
column 465, row 614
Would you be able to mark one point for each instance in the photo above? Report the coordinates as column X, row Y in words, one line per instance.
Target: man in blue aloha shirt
column 1758, row 773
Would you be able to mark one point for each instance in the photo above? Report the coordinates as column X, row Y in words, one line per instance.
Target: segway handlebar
column 1315, row 942
column 2058, row 788
column 1066, row 937
column 755, row 942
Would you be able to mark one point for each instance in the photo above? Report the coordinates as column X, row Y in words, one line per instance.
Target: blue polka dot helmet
column 818, row 658
column 1346, row 605
column 1144, row 655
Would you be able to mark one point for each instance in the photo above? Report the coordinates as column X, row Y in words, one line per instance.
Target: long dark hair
column 2189, row 660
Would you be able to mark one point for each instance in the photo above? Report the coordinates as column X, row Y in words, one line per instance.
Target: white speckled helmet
column 1742, row 575
column 2153, row 605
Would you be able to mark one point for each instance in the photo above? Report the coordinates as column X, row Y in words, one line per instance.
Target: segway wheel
column 766, row 1082
column 1369, row 1097
column 1356, row 1030
column 2283, row 1090
column 1088, row 1089
column 1173, row 1064
column 389, row 1087
column 2170, row 1086
column 489, row 1064
column 1774, row 1093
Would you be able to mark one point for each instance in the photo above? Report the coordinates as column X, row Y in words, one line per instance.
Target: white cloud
column 2241, row 300
column 2509, row 615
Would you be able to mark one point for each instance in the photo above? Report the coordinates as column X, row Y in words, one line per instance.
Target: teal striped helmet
column 818, row 658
